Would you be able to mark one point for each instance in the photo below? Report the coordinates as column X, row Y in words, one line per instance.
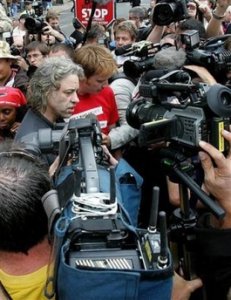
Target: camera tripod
column 183, row 221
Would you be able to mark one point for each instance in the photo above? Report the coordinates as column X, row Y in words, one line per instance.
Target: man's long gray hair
column 47, row 78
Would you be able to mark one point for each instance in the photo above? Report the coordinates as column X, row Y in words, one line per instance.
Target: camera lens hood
column 219, row 100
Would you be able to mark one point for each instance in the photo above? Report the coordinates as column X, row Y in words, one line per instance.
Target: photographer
column 10, row 73
column 214, row 235
column 43, row 31
column 53, row 28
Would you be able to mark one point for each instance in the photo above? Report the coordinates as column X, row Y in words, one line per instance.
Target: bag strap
column 4, row 295
column 61, row 227
column 51, row 205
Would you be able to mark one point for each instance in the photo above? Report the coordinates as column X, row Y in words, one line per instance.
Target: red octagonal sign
column 104, row 14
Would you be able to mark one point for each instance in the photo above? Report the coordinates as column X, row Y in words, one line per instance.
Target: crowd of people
column 47, row 78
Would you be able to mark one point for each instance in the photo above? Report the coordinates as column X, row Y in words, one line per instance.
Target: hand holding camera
column 217, row 178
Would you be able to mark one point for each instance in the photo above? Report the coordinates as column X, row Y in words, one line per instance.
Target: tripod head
column 179, row 167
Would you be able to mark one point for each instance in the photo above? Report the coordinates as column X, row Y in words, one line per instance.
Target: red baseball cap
column 11, row 96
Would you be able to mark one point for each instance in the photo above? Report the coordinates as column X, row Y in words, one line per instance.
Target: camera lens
column 164, row 13
column 143, row 111
column 33, row 25
column 219, row 100
column 226, row 99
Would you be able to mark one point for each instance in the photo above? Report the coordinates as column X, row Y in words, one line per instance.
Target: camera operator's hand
column 51, row 31
column 21, row 62
column 217, row 179
column 222, row 5
column 182, row 289
column 204, row 9
column 106, row 140
column 215, row 27
column 111, row 159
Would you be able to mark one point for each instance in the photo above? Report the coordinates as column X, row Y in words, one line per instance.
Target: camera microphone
column 123, row 50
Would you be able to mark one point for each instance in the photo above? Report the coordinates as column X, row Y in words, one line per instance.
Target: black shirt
column 31, row 123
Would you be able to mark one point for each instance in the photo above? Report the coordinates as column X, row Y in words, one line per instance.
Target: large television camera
column 173, row 108
column 102, row 239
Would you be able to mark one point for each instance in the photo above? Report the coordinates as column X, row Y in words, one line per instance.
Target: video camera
column 172, row 108
column 78, row 140
column 141, row 53
column 168, row 11
column 214, row 55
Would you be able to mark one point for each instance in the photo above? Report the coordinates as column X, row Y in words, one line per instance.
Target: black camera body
column 184, row 113
column 168, row 11
column 214, row 55
column 35, row 25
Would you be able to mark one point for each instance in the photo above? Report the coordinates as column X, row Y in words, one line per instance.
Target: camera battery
column 217, row 140
column 151, row 249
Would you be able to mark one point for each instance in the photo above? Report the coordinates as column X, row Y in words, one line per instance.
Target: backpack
column 99, row 257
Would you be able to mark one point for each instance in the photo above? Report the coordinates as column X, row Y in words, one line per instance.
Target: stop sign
column 104, row 14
